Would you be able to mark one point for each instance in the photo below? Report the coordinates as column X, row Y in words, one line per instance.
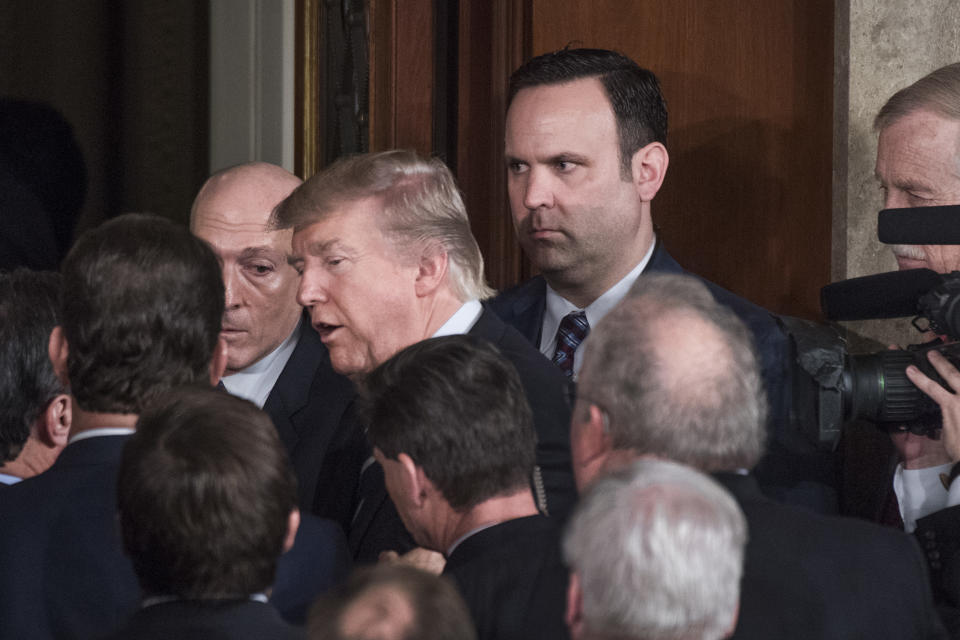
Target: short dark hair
column 141, row 306
column 457, row 408
column 28, row 313
column 439, row 612
column 204, row 493
column 633, row 92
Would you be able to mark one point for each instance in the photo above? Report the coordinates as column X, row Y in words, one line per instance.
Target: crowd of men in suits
column 204, row 429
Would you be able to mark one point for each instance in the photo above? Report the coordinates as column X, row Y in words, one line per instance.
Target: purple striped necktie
column 573, row 329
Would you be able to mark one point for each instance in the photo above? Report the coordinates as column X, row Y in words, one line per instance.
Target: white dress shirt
column 558, row 307
column 256, row 381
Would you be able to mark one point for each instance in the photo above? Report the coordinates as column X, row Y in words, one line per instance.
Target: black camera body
column 832, row 387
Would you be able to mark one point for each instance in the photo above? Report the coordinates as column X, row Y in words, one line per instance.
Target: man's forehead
column 347, row 222
column 557, row 114
column 923, row 137
column 245, row 195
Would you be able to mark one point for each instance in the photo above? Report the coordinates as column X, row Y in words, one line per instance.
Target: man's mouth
column 229, row 331
column 545, row 234
column 325, row 330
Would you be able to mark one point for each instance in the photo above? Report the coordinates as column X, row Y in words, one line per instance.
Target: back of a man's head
column 457, row 408
column 676, row 375
column 937, row 92
column 205, row 495
column 141, row 307
column 657, row 554
column 392, row 602
column 28, row 312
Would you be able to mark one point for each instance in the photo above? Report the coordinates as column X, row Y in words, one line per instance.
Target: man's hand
column 948, row 400
column 419, row 558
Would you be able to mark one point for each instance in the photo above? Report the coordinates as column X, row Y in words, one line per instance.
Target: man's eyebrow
column 260, row 252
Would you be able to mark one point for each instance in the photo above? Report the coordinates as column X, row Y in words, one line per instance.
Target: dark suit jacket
column 513, row 580
column 939, row 537
column 545, row 387
column 793, row 470
column 217, row 620
column 810, row 576
column 307, row 404
column 64, row 573
column 377, row 526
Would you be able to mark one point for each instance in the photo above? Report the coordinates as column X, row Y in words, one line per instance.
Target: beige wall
column 882, row 46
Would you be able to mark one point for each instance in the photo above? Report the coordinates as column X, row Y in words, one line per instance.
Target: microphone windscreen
column 884, row 295
column 920, row 225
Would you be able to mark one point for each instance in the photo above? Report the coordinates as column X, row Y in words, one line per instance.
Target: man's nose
column 231, row 286
column 538, row 191
column 895, row 199
column 311, row 290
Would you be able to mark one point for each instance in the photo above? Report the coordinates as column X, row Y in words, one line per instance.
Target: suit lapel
column 291, row 393
column 528, row 309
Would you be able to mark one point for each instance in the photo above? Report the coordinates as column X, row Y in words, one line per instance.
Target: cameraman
column 918, row 164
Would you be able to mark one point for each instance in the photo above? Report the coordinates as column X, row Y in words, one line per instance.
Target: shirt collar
column 458, row 541
column 462, row 321
column 96, row 433
column 6, row 478
column 256, row 381
column 557, row 307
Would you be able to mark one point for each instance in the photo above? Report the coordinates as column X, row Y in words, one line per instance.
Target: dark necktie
column 573, row 329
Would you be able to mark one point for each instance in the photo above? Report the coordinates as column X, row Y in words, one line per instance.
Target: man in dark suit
column 275, row 359
column 672, row 373
column 217, row 460
column 34, row 405
column 585, row 150
column 140, row 312
column 387, row 259
column 141, row 306
column 668, row 536
column 451, row 427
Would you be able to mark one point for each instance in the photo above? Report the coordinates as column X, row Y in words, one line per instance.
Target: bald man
column 275, row 359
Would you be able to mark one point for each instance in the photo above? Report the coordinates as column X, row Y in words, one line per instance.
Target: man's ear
column 55, row 422
column 598, row 441
column 218, row 363
column 574, row 617
column 293, row 523
column 57, row 351
column 432, row 269
column 416, row 483
column 649, row 168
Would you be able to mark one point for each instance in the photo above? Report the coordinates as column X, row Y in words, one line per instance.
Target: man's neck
column 582, row 286
column 88, row 420
column 34, row 459
column 437, row 310
column 497, row 509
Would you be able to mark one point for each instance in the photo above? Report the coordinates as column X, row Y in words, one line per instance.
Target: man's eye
column 516, row 167
column 261, row 269
column 565, row 165
column 333, row 262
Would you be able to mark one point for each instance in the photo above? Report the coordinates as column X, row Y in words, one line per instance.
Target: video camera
column 831, row 387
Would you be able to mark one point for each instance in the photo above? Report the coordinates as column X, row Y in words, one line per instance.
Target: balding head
column 674, row 374
column 231, row 213
column 245, row 193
